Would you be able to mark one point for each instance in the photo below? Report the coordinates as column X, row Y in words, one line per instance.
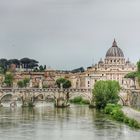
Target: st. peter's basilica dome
column 114, row 51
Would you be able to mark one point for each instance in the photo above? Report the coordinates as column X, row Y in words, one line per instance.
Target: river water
column 45, row 122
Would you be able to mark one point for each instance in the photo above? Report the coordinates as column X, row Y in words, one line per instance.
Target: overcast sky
column 67, row 34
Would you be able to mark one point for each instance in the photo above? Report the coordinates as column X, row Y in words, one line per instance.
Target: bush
column 20, row 84
column 131, row 75
column 23, row 83
column 133, row 123
column 86, row 102
column 106, row 92
column 109, row 108
column 45, row 86
column 126, row 120
column 116, row 113
column 79, row 100
column 9, row 79
column 65, row 83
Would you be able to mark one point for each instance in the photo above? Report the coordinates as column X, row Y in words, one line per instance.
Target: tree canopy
column 135, row 74
column 105, row 92
column 25, row 62
column 138, row 66
column 23, row 83
column 65, row 83
column 29, row 63
column 8, row 80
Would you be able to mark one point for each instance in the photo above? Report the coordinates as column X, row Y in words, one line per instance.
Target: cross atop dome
column 114, row 43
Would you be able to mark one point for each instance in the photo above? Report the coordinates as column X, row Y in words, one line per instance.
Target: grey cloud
column 66, row 34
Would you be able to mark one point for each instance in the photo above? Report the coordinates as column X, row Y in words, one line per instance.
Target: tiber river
column 45, row 122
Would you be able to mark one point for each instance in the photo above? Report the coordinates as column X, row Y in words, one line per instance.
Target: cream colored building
column 113, row 67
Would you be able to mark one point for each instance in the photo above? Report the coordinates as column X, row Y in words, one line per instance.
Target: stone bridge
column 14, row 94
column 127, row 96
column 133, row 98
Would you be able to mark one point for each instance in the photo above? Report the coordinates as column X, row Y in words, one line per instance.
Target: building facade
column 113, row 67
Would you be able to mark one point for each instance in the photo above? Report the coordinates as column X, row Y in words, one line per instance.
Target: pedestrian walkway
column 132, row 113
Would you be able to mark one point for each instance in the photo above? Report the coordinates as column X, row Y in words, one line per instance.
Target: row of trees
column 26, row 63
column 23, row 83
column 9, row 78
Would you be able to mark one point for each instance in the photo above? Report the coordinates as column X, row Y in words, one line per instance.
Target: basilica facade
column 113, row 67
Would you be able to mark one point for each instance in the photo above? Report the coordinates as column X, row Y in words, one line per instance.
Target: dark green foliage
column 81, row 69
column 136, row 74
column 117, row 114
column 2, row 71
column 29, row 63
column 133, row 123
column 79, row 100
column 20, row 84
column 105, row 92
column 87, row 102
column 26, row 81
column 3, row 65
column 23, row 83
column 14, row 61
column 131, row 75
column 25, row 62
column 45, row 86
column 42, row 68
column 138, row 65
column 65, row 83
column 8, row 80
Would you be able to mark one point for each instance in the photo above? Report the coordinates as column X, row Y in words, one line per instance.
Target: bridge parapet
column 43, row 90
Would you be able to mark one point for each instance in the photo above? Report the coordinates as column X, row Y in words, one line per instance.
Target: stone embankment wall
column 134, row 99
column 134, row 96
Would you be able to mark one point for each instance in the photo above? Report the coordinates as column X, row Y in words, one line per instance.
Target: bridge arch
column 122, row 100
column 39, row 96
column 6, row 96
column 86, row 96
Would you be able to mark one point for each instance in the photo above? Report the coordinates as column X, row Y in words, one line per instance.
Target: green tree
column 138, row 65
column 41, row 68
column 26, row 81
column 23, row 83
column 20, row 84
column 29, row 63
column 105, row 92
column 134, row 75
column 4, row 64
column 8, row 80
column 131, row 75
column 113, row 89
column 66, row 83
column 1, row 70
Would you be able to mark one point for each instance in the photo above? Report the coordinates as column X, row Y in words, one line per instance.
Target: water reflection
column 46, row 122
